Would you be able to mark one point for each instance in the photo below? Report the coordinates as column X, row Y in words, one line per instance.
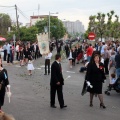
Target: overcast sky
column 68, row 9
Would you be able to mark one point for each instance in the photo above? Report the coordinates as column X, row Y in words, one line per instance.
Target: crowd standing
column 100, row 60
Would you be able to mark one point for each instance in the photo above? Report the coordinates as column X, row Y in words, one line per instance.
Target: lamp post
column 49, row 23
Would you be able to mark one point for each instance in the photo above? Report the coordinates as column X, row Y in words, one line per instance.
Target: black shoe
column 102, row 106
column 91, row 104
column 53, row 106
column 45, row 74
column 64, row 106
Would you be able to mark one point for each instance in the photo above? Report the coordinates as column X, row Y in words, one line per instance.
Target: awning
column 2, row 39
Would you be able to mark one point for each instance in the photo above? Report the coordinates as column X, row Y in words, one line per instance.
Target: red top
column 89, row 51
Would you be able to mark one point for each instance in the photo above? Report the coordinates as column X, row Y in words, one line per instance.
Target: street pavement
column 31, row 96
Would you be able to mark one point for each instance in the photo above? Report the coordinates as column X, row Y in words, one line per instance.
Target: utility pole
column 17, row 23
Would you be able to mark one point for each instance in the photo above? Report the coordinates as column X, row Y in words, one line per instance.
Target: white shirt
column 48, row 56
column 85, row 56
column 17, row 48
column 102, row 60
column 102, row 49
column 113, row 80
column 8, row 48
column 4, row 47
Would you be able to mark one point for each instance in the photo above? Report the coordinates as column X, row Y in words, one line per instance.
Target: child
column 113, row 80
column 30, row 66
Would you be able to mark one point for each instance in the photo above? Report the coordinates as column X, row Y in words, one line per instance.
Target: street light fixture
column 49, row 23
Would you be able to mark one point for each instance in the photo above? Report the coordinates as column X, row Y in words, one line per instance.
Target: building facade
column 34, row 19
column 74, row 27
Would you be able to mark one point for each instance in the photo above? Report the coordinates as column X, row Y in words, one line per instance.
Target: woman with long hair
column 96, row 76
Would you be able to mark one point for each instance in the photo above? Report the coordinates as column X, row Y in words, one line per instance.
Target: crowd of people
column 21, row 50
column 100, row 60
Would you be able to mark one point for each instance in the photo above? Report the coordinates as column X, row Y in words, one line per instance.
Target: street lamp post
column 49, row 24
column 49, row 27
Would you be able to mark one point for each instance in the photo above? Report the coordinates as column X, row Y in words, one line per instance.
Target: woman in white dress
column 30, row 66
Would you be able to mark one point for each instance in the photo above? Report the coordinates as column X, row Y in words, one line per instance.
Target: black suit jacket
column 56, row 74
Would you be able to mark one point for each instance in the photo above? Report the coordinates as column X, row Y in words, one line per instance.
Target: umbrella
column 2, row 39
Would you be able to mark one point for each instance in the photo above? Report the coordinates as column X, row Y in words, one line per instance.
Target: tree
column 26, row 34
column 104, row 29
column 5, row 22
column 57, row 30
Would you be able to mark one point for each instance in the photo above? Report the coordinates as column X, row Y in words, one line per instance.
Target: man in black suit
column 56, row 83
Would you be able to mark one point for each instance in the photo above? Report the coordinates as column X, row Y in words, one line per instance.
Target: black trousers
column 47, row 66
column 17, row 55
column 73, row 61
column 8, row 58
column 36, row 54
column 59, row 89
column 5, row 54
column 2, row 96
column 106, row 66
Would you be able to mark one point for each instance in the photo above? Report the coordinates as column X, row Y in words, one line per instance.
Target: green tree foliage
column 57, row 30
column 5, row 22
column 26, row 34
column 108, row 29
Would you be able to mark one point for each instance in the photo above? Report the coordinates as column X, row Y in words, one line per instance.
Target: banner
column 43, row 42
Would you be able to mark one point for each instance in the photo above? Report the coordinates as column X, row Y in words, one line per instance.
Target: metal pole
column 14, row 37
column 49, row 27
column 17, row 23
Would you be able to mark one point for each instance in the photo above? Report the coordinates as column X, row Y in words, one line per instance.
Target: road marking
column 67, row 77
column 38, row 68
column 42, row 66
column 70, row 71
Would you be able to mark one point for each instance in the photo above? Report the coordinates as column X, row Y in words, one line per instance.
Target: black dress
column 4, row 81
column 96, row 77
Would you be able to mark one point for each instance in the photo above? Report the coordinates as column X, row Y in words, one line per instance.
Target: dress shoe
column 64, row 106
column 45, row 74
column 91, row 104
column 102, row 105
column 53, row 106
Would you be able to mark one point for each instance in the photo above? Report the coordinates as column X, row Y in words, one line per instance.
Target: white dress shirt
column 48, row 56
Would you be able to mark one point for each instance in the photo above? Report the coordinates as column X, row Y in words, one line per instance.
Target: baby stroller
column 115, row 86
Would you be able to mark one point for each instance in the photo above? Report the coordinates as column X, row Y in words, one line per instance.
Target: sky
column 71, row 10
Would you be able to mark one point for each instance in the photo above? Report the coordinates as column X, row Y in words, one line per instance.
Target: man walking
column 56, row 83
column 47, row 62
column 5, row 51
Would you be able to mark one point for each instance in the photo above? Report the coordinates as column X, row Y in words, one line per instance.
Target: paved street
column 30, row 96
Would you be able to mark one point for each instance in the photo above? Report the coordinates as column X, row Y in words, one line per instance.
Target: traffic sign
column 91, row 36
